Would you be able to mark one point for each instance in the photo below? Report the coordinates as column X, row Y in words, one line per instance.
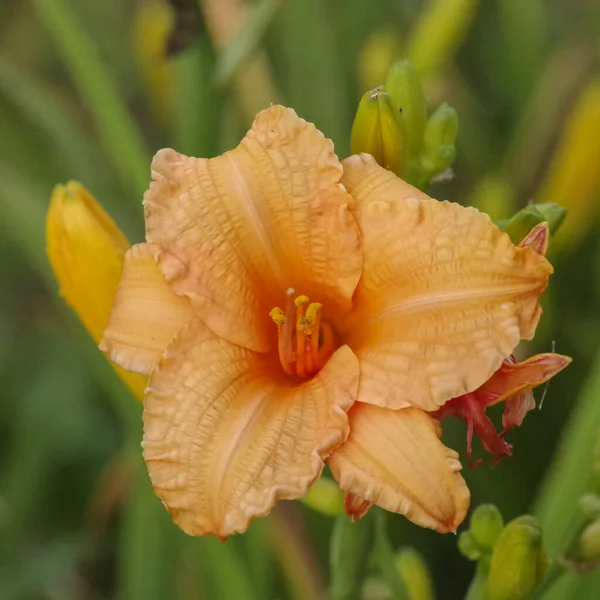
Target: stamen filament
column 286, row 334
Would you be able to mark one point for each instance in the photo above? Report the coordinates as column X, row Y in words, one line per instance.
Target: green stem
column 115, row 127
column 477, row 588
column 351, row 545
column 383, row 553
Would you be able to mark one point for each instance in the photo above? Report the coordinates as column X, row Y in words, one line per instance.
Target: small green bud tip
column 415, row 574
column 554, row 214
column 441, row 129
column 468, row 546
column 404, row 87
column 378, row 130
column 486, row 525
column 589, row 504
column 589, row 543
column 518, row 561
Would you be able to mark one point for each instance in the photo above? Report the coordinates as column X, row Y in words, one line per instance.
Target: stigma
column 305, row 342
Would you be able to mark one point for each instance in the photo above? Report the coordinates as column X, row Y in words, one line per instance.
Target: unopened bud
column 589, row 542
column 325, row 497
column 468, row 546
column 554, row 214
column 442, row 128
column 589, row 504
column 415, row 574
column 518, row 561
column 404, row 87
column 521, row 223
column 378, row 130
column 486, row 525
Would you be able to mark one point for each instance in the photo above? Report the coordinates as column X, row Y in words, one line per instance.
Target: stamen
column 309, row 351
column 301, row 302
column 286, row 334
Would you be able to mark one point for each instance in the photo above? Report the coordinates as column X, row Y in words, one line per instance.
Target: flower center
column 305, row 341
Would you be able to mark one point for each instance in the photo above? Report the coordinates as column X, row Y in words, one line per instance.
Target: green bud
column 486, row 525
column 325, row 497
column 554, row 214
column 378, row 129
column 468, row 546
column 404, row 87
column 441, row 129
column 415, row 574
column 589, row 542
column 518, row 561
column 589, row 504
column 520, row 224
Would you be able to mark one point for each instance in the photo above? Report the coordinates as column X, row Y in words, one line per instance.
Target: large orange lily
column 392, row 304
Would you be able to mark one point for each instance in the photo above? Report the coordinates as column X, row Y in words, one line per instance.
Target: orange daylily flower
column 292, row 310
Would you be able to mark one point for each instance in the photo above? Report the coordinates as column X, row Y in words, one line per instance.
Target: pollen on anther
column 301, row 300
column 278, row 316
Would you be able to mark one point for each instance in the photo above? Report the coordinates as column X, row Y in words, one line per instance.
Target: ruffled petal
column 395, row 459
column 225, row 437
column 146, row 315
column 444, row 295
column 242, row 228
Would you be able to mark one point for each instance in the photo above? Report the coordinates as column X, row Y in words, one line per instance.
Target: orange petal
column 444, row 296
column 146, row 315
column 512, row 378
column 394, row 458
column 246, row 226
column 225, row 437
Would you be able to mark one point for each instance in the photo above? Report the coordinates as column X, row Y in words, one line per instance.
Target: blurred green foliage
column 88, row 93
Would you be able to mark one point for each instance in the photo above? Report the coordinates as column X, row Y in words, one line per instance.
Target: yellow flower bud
column 518, row 561
column 404, row 87
column 589, row 543
column 573, row 179
column 86, row 251
column 439, row 32
column 415, row 574
column 152, row 24
column 378, row 130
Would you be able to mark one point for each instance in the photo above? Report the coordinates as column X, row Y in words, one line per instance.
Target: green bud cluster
column 520, row 224
column 392, row 125
column 511, row 559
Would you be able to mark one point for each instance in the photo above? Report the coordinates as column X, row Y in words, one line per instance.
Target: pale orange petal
column 225, row 437
column 244, row 227
column 443, row 299
column 366, row 184
column 146, row 315
column 394, row 458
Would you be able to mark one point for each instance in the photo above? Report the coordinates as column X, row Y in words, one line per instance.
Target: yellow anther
column 278, row 316
column 300, row 300
column 307, row 322
column 312, row 310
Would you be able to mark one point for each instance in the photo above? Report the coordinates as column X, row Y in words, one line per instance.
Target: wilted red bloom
column 512, row 383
